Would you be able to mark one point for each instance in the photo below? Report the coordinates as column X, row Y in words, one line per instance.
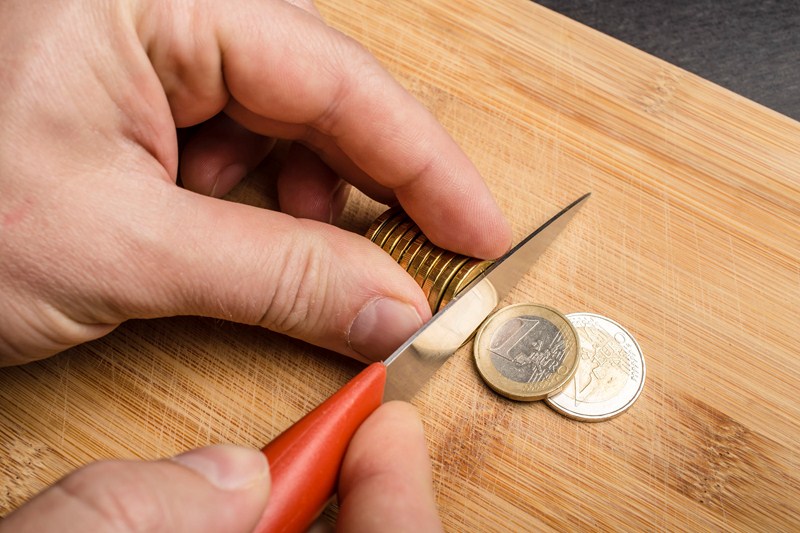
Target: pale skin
column 94, row 230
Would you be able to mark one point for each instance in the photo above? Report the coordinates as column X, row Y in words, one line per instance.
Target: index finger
column 318, row 85
column 385, row 480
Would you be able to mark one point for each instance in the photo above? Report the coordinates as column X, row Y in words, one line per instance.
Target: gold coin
column 397, row 233
column 428, row 266
column 404, row 243
column 610, row 375
column 422, row 255
column 443, row 280
column 441, row 265
column 411, row 252
column 388, row 227
column 466, row 275
column 380, row 221
column 526, row 352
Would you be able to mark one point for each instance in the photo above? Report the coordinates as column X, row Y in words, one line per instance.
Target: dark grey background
column 751, row 47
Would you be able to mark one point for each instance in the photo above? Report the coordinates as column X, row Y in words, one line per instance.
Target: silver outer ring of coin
column 598, row 407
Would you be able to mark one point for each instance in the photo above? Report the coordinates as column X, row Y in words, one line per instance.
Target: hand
column 385, row 485
column 94, row 231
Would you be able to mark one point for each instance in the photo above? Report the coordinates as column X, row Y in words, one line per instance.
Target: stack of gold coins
column 440, row 273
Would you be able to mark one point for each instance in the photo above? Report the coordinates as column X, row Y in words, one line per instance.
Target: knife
column 305, row 459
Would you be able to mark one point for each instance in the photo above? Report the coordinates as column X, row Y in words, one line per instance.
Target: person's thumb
column 218, row 488
column 304, row 278
column 166, row 251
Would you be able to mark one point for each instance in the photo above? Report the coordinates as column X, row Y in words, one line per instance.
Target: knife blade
column 415, row 361
column 305, row 459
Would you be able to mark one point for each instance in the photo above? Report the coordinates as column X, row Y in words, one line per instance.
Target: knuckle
column 36, row 330
column 300, row 297
column 32, row 331
column 351, row 68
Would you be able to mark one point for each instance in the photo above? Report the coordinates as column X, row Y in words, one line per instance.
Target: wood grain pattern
column 690, row 240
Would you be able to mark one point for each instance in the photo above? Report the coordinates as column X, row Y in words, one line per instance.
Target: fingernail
column 381, row 326
column 227, row 179
column 226, row 466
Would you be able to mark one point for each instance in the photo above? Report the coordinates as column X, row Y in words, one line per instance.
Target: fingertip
column 402, row 414
column 225, row 180
column 228, row 467
column 393, row 430
column 369, row 335
column 219, row 155
column 468, row 221
column 503, row 241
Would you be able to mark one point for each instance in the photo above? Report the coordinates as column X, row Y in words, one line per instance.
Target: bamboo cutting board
column 690, row 240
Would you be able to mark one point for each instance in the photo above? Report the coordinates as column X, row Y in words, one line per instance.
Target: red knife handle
column 305, row 459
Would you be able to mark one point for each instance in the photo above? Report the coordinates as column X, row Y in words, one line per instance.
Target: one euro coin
column 526, row 352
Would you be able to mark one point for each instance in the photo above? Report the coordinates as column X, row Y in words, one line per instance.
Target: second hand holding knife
column 305, row 459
